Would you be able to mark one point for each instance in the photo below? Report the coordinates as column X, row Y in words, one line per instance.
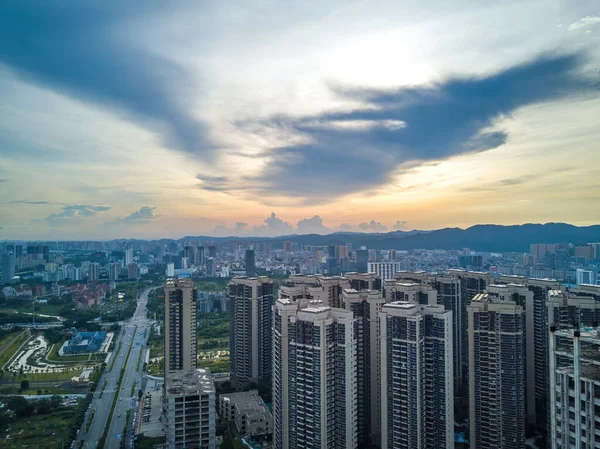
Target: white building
column 586, row 276
column 385, row 270
column 170, row 270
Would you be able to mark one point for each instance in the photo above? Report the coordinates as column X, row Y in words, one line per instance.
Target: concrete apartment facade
column 248, row 411
column 448, row 295
column 314, row 376
column 189, row 410
column 250, row 300
column 417, row 402
column 575, row 388
column 180, row 325
column 496, row 373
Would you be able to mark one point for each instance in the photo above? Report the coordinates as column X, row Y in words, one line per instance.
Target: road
column 134, row 334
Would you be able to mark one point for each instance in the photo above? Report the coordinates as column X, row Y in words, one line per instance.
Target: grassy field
column 40, row 431
column 9, row 345
column 220, row 365
column 44, row 309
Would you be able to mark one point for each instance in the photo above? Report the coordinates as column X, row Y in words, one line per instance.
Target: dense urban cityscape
column 232, row 342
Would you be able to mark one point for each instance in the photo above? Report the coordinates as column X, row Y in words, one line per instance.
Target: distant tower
column 180, row 325
column 128, row 256
column 250, row 263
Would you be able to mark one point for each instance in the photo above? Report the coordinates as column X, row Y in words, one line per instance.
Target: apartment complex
column 496, row 373
column 251, row 299
column 189, row 410
column 417, row 405
column 180, row 325
column 314, row 376
column 575, row 388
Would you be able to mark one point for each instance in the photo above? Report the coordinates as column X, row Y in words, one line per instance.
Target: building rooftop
column 247, row 401
column 190, row 382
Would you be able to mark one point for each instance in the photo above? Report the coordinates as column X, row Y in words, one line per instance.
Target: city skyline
column 198, row 119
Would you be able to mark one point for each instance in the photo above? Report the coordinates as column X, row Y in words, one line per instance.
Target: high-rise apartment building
column 574, row 388
column 314, row 376
column 8, row 268
column 180, row 326
column 287, row 246
column 362, row 260
column 250, row 263
column 417, row 404
column 133, row 271
column 94, row 271
column 211, row 267
column 471, row 284
column 365, row 306
column 250, row 301
column 385, row 270
column 449, row 295
column 496, row 373
column 364, row 281
column 541, row 289
column 128, row 256
column 189, row 410
column 410, row 292
column 114, row 271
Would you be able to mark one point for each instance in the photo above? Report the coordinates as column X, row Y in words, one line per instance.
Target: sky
column 151, row 119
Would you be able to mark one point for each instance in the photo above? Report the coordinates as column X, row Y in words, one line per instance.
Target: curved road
column 134, row 334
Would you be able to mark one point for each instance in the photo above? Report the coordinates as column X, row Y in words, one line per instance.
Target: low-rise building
column 248, row 411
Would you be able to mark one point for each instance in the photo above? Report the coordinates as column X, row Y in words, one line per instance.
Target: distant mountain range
column 491, row 238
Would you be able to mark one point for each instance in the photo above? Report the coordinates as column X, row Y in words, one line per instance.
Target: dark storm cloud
column 360, row 149
column 81, row 48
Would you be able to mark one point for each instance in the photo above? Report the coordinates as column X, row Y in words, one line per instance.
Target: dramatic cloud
column 145, row 213
column 75, row 211
column 439, row 121
column 276, row 224
column 585, row 22
column 83, row 49
column 399, row 225
column 312, row 225
column 372, row 226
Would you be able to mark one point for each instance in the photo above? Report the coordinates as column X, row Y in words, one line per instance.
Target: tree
column 24, row 384
column 56, row 401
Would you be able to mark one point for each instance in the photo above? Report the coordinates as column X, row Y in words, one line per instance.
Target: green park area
column 10, row 341
column 45, row 423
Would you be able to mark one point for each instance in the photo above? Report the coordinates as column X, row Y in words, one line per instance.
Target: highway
column 134, row 334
